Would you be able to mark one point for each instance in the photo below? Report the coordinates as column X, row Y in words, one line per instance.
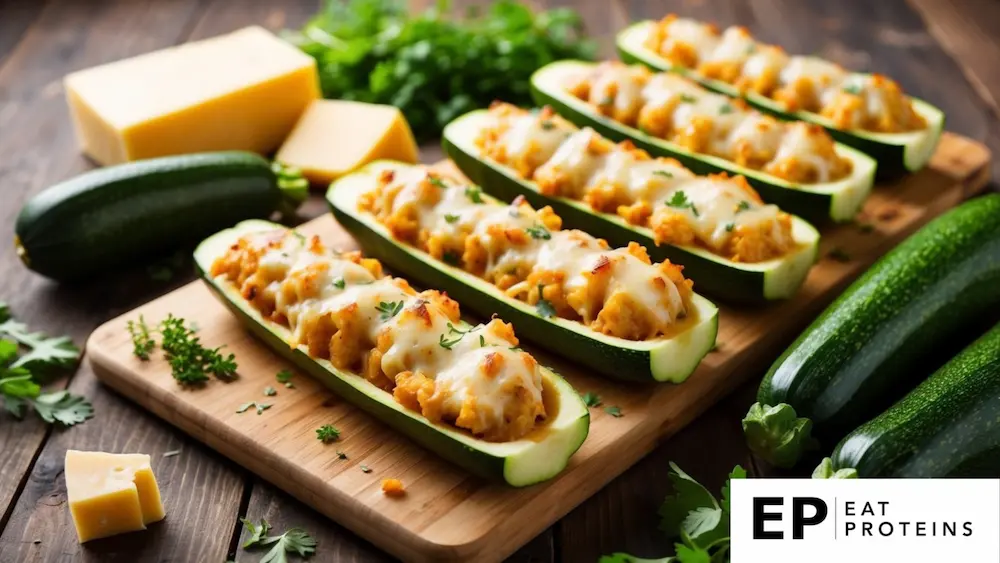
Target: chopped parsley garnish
column 539, row 232
column 688, row 98
column 680, row 201
column 389, row 310
column 726, row 109
column 341, row 455
column 853, row 89
column 730, row 227
column 451, row 218
column 270, row 391
column 327, row 433
column 591, row 399
column 285, row 376
column 365, row 468
column 614, row 411
column 548, row 125
column 544, row 306
column 142, row 342
column 437, row 182
column 339, row 283
column 474, row 193
column 743, row 206
column 663, row 173
column 451, row 257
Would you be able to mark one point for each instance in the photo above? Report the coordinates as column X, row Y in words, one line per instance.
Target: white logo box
column 867, row 520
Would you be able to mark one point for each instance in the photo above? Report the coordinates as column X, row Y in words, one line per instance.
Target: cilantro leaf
column 689, row 495
column 737, row 473
column 295, row 540
column 679, row 200
column 63, row 407
column 693, row 554
column 44, row 352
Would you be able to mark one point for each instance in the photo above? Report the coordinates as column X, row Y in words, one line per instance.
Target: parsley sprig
column 327, row 433
column 190, row 362
column 694, row 515
column 539, row 232
column 19, row 387
column 432, row 66
column 295, row 540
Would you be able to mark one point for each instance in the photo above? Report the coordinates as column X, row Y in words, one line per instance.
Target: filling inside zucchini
column 849, row 101
column 524, row 252
column 343, row 309
column 676, row 109
column 719, row 213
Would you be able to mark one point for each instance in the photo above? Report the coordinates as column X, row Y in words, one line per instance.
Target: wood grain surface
column 446, row 513
column 940, row 50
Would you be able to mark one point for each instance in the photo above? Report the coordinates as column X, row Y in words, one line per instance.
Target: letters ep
column 761, row 515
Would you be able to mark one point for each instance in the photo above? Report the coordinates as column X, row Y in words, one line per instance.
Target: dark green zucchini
column 946, row 427
column 818, row 203
column 876, row 338
column 518, row 463
column 896, row 153
column 665, row 359
column 114, row 216
column 713, row 275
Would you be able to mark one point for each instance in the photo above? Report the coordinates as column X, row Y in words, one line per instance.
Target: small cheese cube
column 334, row 137
column 111, row 494
column 241, row 91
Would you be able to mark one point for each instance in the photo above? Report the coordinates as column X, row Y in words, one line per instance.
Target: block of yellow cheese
column 111, row 494
column 241, row 91
column 334, row 137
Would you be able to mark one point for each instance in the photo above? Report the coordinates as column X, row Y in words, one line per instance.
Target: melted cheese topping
column 720, row 213
column 680, row 111
column 523, row 251
column 411, row 344
column 850, row 100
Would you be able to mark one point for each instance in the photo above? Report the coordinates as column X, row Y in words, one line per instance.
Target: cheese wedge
column 335, row 137
column 111, row 494
column 241, row 91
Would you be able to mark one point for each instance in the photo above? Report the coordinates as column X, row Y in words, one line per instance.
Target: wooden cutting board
column 447, row 514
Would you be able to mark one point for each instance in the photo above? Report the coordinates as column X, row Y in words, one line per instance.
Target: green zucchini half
column 838, row 201
column 946, row 427
column 877, row 336
column 896, row 153
column 712, row 274
column 519, row 463
column 666, row 359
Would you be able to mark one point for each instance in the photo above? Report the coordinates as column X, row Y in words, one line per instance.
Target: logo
column 865, row 520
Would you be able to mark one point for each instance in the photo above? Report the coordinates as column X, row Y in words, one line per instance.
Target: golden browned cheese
column 847, row 109
column 342, row 336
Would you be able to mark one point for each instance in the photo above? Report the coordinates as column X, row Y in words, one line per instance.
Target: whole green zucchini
column 872, row 341
column 113, row 216
column 946, row 427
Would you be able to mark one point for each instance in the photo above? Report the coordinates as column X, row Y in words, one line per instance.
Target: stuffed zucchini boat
column 731, row 244
column 466, row 392
column 612, row 310
column 796, row 166
column 869, row 112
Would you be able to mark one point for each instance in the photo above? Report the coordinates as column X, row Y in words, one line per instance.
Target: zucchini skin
column 876, row 334
column 946, row 427
column 115, row 216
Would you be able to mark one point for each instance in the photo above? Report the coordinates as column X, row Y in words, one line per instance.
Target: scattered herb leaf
column 679, row 200
column 389, row 310
column 474, row 193
column 437, row 182
column 743, row 206
column 261, row 407
column 688, row 98
column 341, row 455
column 614, row 411
column 726, row 109
column 663, row 173
column 544, row 307
column 451, row 218
column 365, row 468
column 730, row 227
column 591, row 399
column 539, row 232
column 270, row 391
column 327, row 433
column 340, row 283
column 245, row 407
column 142, row 342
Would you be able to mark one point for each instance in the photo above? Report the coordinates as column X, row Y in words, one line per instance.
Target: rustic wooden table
column 942, row 51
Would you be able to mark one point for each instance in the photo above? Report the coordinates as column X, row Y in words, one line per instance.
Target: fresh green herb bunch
column 431, row 66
